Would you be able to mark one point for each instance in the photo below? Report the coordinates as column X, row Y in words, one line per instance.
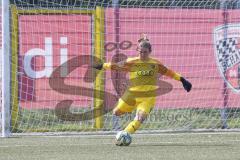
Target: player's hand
column 98, row 66
column 186, row 84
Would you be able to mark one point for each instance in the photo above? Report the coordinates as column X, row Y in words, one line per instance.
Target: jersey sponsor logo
column 227, row 53
column 145, row 73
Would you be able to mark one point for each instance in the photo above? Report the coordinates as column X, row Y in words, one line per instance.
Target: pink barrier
column 52, row 35
column 182, row 39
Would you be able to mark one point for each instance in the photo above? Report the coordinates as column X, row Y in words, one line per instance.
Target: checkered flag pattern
column 225, row 48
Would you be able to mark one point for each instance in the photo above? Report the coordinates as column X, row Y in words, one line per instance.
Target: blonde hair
column 144, row 42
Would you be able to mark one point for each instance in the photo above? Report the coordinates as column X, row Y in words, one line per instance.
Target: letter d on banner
column 48, row 60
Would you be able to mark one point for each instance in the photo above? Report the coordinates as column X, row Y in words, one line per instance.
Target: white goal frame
column 6, row 118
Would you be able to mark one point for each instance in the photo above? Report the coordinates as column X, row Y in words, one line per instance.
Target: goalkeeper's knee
column 117, row 112
column 140, row 116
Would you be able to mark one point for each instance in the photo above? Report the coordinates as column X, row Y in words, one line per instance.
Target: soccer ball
column 123, row 138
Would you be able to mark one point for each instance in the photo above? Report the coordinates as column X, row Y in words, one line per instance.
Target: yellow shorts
column 129, row 102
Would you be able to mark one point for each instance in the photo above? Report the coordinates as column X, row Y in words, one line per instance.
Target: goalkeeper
column 144, row 74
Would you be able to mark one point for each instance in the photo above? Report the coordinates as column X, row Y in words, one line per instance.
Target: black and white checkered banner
column 227, row 53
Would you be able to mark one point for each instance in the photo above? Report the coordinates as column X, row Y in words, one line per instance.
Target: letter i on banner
column 63, row 57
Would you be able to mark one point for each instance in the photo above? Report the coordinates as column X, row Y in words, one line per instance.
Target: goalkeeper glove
column 98, row 66
column 186, row 84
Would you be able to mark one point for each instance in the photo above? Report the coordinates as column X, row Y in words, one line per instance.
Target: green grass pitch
column 165, row 146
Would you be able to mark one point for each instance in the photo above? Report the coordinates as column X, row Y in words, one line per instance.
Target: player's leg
column 133, row 126
column 116, row 113
column 143, row 110
column 121, row 108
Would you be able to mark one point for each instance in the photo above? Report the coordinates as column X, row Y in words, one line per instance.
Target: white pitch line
column 144, row 134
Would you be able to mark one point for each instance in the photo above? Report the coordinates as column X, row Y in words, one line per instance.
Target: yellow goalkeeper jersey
column 143, row 75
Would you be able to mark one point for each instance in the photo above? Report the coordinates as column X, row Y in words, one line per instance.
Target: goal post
column 99, row 53
column 49, row 86
column 6, row 115
column 97, row 29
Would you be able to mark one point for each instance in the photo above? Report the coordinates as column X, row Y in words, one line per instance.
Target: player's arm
column 168, row 72
column 120, row 66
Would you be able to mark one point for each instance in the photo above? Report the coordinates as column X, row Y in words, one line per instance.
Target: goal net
column 53, row 44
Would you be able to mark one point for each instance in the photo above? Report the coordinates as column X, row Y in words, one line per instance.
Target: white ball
column 123, row 138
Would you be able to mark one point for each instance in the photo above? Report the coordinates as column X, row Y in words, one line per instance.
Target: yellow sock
column 132, row 126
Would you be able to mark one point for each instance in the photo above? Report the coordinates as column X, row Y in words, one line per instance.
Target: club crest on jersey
column 153, row 66
column 227, row 53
